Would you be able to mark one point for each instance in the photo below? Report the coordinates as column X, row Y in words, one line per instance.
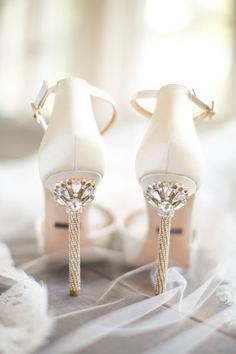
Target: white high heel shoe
column 169, row 167
column 71, row 162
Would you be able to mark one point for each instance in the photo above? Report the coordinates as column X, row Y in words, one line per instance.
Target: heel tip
column 156, row 293
column 74, row 292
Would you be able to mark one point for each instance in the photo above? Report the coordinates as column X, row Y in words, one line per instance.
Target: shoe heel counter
column 171, row 144
column 72, row 141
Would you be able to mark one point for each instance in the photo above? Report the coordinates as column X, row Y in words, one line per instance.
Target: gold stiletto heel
column 74, row 194
column 166, row 197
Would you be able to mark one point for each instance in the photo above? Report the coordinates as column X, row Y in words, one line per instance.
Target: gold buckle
column 209, row 109
column 37, row 113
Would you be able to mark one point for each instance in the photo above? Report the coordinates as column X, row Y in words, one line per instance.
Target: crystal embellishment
column 74, row 193
column 167, row 197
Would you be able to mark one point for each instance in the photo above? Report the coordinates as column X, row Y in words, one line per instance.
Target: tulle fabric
column 23, row 305
column 148, row 314
column 136, row 313
column 132, row 314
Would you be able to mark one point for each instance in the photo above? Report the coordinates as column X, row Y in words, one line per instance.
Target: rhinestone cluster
column 74, row 193
column 167, row 197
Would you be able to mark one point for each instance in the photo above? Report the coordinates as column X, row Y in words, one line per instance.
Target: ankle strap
column 45, row 91
column 208, row 111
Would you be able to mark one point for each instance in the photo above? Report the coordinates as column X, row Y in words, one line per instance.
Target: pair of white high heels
column 169, row 168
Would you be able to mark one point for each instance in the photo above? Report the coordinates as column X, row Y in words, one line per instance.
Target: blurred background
column 120, row 46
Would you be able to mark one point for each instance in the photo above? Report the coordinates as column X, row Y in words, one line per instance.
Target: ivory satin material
column 170, row 150
column 171, row 144
column 72, row 141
